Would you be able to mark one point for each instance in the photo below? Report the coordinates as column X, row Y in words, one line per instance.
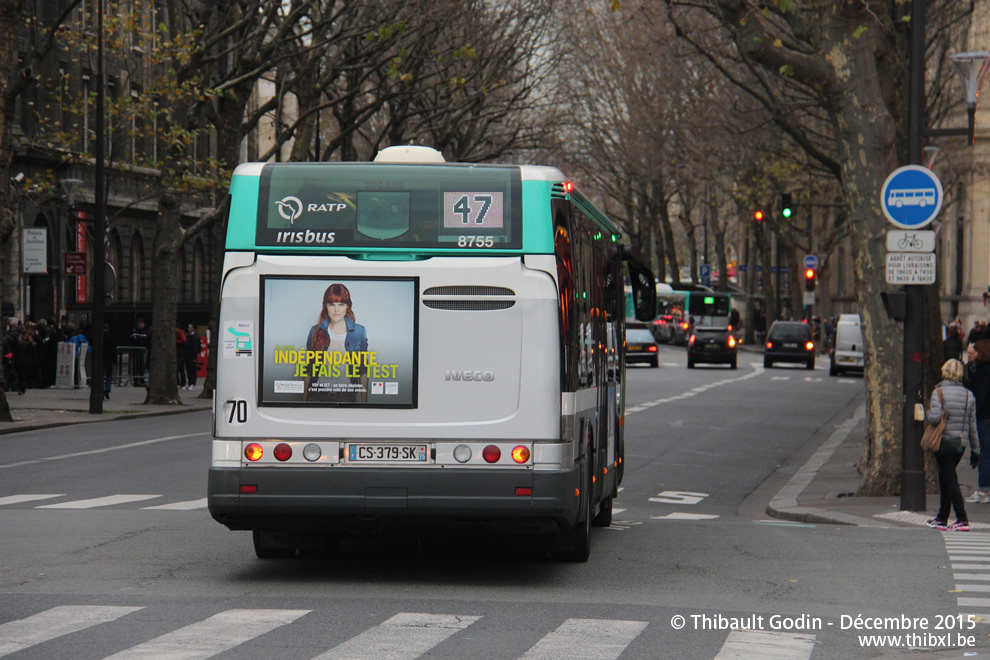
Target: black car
column 712, row 345
column 641, row 347
column 789, row 341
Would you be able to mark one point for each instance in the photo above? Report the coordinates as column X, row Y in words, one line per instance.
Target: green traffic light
column 786, row 213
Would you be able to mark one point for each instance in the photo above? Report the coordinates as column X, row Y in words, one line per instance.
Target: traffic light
column 758, row 215
column 786, row 205
column 809, row 279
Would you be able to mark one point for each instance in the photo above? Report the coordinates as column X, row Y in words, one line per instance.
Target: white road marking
column 766, row 645
column 678, row 497
column 209, row 637
column 179, row 506
column 685, row 516
column 640, row 407
column 93, row 452
column 17, row 499
column 586, row 639
column 109, row 500
column 403, row 637
column 44, row 626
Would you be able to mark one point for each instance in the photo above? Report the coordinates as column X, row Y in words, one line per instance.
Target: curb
column 784, row 505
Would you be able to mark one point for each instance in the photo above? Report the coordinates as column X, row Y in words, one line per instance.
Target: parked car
column 712, row 345
column 847, row 351
column 641, row 347
column 670, row 329
column 789, row 341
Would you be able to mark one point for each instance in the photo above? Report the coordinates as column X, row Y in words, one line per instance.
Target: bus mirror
column 644, row 292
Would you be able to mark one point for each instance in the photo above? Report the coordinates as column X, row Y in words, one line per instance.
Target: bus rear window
column 365, row 205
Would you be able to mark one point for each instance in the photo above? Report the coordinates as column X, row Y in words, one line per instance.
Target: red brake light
column 491, row 454
column 769, row 344
column 568, row 186
column 691, row 340
column 283, row 451
column 652, row 349
column 732, row 342
column 684, row 325
column 810, row 345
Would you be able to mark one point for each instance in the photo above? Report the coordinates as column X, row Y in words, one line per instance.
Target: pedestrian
column 979, row 384
column 952, row 345
column 109, row 359
column 978, row 332
column 960, row 432
column 180, row 342
column 78, row 337
column 11, row 347
column 190, row 355
column 139, row 364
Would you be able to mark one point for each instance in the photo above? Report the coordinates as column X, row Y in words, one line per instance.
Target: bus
column 677, row 308
column 410, row 344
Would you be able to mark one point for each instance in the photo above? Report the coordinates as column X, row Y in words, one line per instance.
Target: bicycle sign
column 906, row 240
column 911, row 197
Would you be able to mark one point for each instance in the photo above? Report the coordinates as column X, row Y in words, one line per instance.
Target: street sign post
column 903, row 240
column 811, row 261
column 910, row 268
column 705, row 273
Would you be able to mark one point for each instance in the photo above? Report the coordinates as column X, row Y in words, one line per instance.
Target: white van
column 847, row 351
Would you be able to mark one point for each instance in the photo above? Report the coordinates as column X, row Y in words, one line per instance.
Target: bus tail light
column 283, row 451
column 491, row 454
column 524, row 491
column 520, row 454
column 247, row 490
column 253, row 452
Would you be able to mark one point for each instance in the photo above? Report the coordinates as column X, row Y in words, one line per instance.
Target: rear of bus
column 390, row 354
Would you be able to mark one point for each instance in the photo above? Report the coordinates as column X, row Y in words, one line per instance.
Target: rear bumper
column 715, row 357
column 789, row 356
column 356, row 499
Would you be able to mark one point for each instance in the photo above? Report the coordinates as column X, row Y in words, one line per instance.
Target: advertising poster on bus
column 339, row 341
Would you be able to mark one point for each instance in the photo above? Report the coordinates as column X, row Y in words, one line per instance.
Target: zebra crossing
column 969, row 557
column 404, row 636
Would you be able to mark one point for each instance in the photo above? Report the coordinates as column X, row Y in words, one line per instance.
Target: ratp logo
column 290, row 208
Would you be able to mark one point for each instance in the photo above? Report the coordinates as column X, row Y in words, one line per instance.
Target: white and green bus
column 414, row 344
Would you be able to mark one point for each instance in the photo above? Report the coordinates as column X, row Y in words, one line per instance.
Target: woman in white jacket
column 959, row 433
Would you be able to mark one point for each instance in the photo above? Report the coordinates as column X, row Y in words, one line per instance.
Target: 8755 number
column 475, row 241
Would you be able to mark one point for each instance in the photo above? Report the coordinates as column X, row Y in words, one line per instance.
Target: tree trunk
column 162, row 383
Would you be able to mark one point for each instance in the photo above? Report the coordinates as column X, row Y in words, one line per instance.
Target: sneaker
column 975, row 497
column 985, row 498
column 959, row 527
column 935, row 523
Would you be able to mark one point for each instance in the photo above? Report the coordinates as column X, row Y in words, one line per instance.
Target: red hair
column 335, row 293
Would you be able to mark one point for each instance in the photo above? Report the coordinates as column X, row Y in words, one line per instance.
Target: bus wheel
column 604, row 517
column 269, row 545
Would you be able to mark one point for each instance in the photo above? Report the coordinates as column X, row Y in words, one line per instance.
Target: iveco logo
column 470, row 375
column 290, row 208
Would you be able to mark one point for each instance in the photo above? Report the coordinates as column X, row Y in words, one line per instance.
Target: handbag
column 931, row 439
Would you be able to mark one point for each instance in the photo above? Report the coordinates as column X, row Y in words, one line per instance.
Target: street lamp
column 971, row 67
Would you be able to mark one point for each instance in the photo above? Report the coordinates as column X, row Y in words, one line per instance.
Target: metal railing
column 132, row 366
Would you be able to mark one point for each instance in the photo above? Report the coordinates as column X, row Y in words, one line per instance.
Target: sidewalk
column 47, row 408
column 823, row 488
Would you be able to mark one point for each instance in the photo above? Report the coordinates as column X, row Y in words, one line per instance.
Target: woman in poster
column 336, row 330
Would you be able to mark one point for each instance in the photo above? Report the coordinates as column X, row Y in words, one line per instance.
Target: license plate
column 712, row 347
column 790, row 345
column 847, row 359
column 386, row 453
column 632, row 348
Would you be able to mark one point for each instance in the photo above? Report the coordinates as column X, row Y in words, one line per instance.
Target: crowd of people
column 963, row 396
column 30, row 353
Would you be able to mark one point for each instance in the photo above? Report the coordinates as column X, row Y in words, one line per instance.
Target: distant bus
column 702, row 303
column 414, row 344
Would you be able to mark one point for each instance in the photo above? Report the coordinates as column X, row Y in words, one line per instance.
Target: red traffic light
column 809, row 274
column 758, row 215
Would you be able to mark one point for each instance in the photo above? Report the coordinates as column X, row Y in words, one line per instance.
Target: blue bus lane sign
column 911, row 197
